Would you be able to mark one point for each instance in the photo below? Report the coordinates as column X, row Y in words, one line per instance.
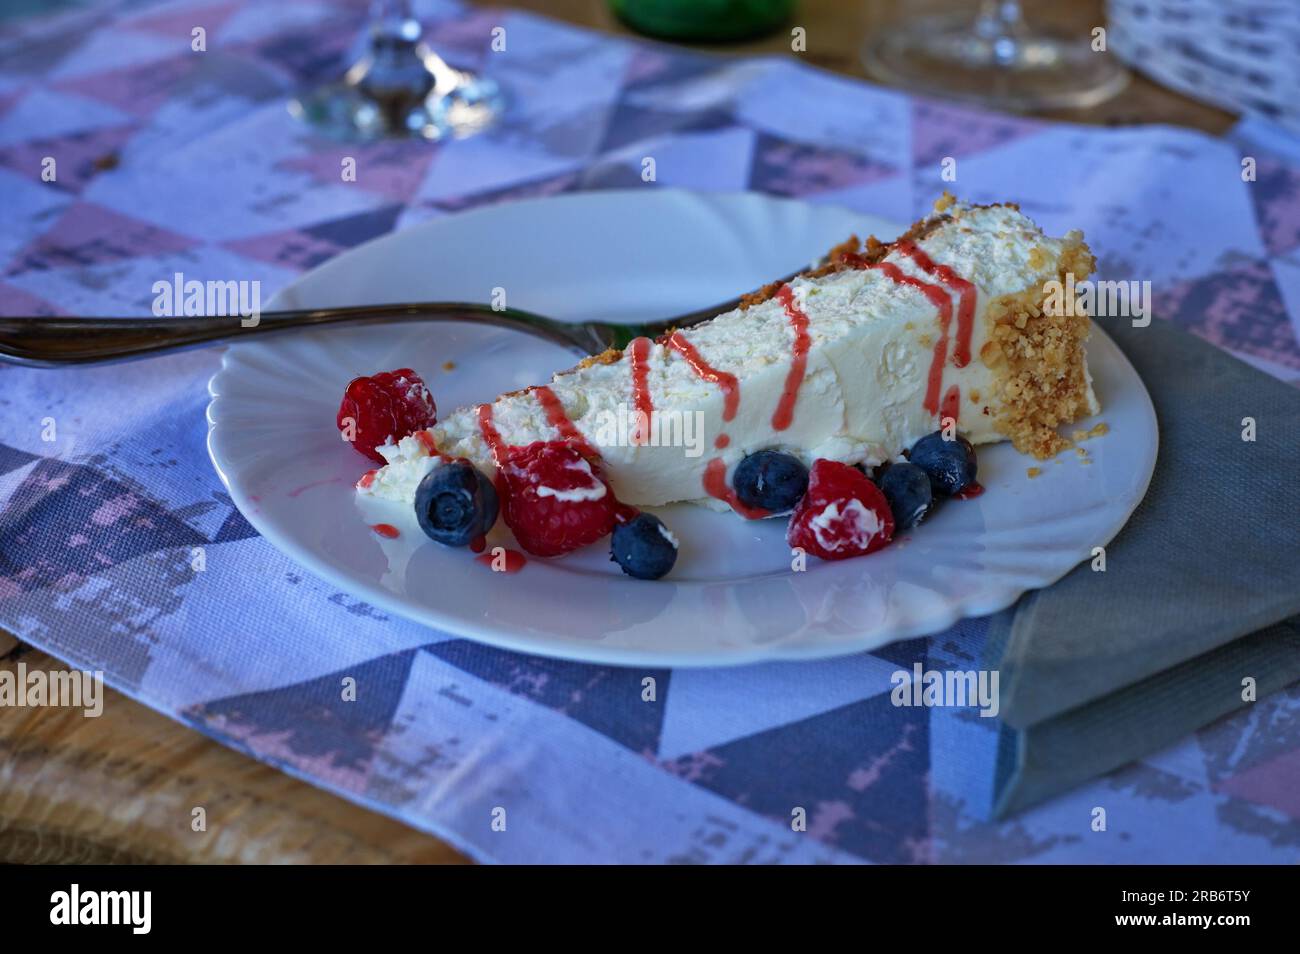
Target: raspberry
column 385, row 407
column 842, row 515
column 556, row 500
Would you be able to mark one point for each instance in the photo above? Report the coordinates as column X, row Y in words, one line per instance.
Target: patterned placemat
column 169, row 159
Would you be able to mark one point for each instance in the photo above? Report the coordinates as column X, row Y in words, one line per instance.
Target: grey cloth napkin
column 1201, row 588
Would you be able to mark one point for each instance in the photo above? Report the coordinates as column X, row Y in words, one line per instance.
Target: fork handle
column 56, row 342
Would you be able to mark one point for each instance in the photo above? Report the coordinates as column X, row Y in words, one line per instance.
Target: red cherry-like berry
column 843, row 514
column 385, row 407
column 555, row 499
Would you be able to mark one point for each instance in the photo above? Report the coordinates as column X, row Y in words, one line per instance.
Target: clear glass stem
column 400, row 87
column 1002, row 24
column 999, row 18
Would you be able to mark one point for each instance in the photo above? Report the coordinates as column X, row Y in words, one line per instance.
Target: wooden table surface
column 121, row 787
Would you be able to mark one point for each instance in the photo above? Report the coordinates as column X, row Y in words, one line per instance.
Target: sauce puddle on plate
column 511, row 561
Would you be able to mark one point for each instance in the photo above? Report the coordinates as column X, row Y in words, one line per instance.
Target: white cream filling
column 408, row 463
column 595, row 489
column 860, row 400
column 829, row 526
column 667, row 535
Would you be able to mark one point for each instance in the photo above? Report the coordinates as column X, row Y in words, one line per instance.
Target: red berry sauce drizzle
column 724, row 380
column 556, row 417
column 514, row 561
column 950, row 405
column 640, row 350
column 965, row 301
column 784, row 413
column 941, row 403
column 426, row 441
column 491, row 436
column 499, row 450
column 715, row 471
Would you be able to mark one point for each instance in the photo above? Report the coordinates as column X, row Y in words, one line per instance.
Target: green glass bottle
column 703, row 20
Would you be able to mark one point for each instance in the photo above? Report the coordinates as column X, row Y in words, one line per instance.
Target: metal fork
column 58, row 342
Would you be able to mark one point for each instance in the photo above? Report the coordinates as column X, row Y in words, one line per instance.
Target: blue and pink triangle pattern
column 170, row 159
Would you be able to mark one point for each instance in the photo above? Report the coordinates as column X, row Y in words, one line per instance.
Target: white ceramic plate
column 732, row 598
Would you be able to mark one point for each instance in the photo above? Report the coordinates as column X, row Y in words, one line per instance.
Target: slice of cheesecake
column 853, row 361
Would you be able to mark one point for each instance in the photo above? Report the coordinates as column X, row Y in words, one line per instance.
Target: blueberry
column 907, row 488
column 771, row 480
column 949, row 464
column 455, row 503
column 643, row 547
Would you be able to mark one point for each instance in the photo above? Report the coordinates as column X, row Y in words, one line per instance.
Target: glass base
column 1021, row 70
column 451, row 104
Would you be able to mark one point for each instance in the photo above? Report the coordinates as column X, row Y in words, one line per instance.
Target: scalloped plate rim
column 940, row 617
